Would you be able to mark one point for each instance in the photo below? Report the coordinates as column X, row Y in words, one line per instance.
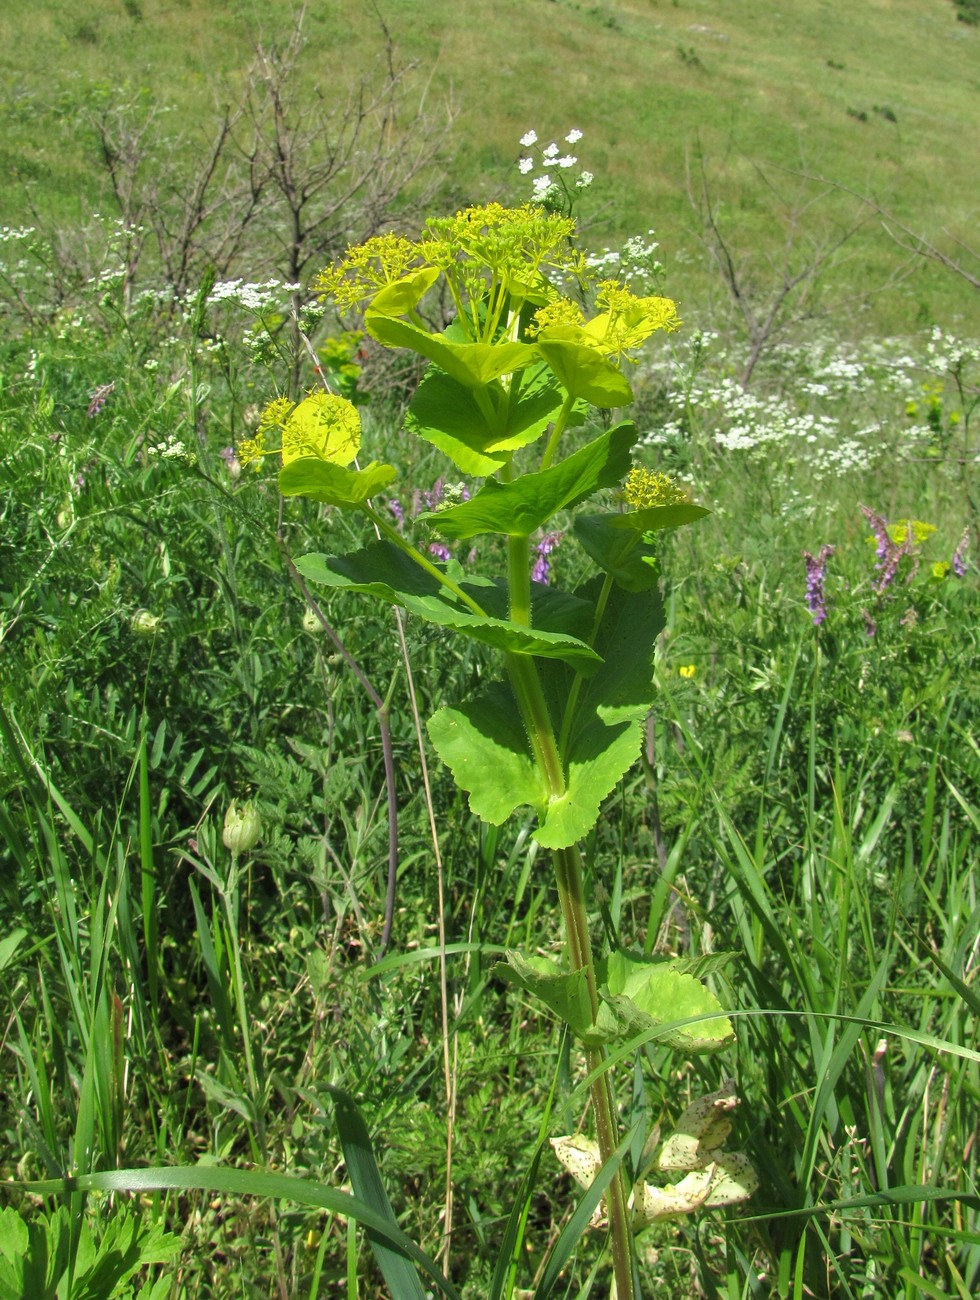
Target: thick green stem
column 571, row 892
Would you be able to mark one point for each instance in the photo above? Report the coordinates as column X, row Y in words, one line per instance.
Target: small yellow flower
column 645, row 488
column 367, row 269
column 920, row 531
column 275, row 414
column 940, row 570
column 555, row 314
column 251, row 450
column 687, row 670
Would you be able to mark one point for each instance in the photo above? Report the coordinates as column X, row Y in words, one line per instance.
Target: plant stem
column 394, row 536
column 571, row 892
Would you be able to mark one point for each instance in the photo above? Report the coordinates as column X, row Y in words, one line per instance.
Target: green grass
column 875, row 98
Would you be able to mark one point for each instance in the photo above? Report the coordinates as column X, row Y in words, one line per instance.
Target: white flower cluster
column 253, row 297
column 551, row 157
column 947, row 354
column 169, row 448
column 794, row 412
column 634, row 264
column 7, row 233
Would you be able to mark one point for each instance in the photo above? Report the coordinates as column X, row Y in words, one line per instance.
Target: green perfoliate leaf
column 598, row 760
column 472, row 364
column 484, row 745
column 333, row 484
column 585, row 373
column 526, row 504
column 618, row 542
column 481, row 436
column 384, row 571
column 634, row 995
column 626, row 556
column 655, row 518
column 404, row 295
column 565, row 992
column 639, row 994
column 605, row 734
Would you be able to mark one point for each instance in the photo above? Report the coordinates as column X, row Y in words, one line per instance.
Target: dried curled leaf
column 700, row 1131
column 727, row 1180
column 714, row 1177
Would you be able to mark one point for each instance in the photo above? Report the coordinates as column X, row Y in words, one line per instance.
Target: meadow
column 218, row 791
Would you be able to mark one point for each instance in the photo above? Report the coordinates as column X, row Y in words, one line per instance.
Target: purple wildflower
column 542, row 566
column 395, row 506
column 889, row 553
column 958, row 562
column 440, row 552
column 816, row 572
column 98, row 398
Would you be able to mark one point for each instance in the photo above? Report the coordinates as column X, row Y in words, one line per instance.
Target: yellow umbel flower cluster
column 645, row 488
column 366, row 270
column 920, row 531
column 322, row 425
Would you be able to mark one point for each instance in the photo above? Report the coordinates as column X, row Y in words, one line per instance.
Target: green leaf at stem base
column 321, row 480
column 635, row 994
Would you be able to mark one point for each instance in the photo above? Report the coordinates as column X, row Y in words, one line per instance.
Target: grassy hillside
column 879, row 97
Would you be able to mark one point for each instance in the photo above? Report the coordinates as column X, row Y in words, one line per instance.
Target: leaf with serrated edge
column 384, row 571
column 521, row 507
column 566, row 993
column 606, row 737
column 485, row 748
column 636, row 995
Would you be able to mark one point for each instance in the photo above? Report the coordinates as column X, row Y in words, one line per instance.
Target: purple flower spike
column 889, row 553
column 440, row 552
column 98, row 398
column 395, row 506
column 816, row 572
column 958, row 562
column 542, row 566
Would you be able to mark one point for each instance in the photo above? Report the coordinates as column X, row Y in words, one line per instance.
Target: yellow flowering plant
column 519, row 366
